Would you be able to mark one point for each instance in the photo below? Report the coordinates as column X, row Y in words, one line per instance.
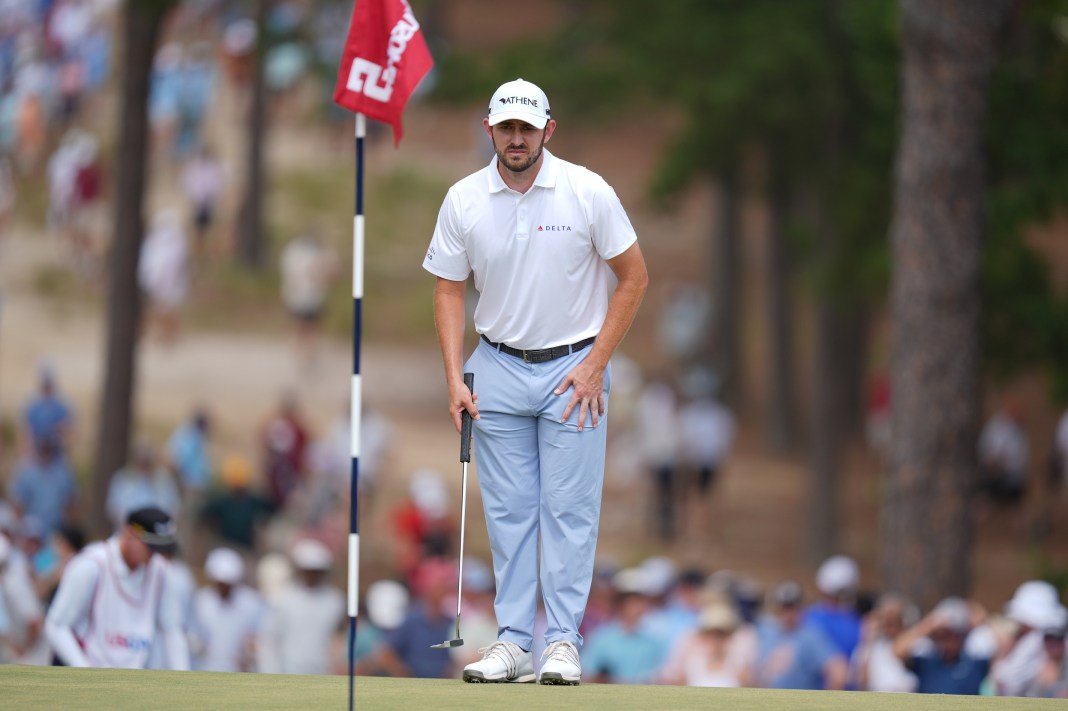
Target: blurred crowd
column 57, row 61
column 263, row 551
column 260, row 536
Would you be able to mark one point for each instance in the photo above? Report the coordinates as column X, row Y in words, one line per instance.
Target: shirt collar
column 546, row 177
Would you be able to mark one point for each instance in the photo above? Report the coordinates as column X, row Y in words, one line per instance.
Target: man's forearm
column 65, row 645
column 622, row 307
column 449, row 320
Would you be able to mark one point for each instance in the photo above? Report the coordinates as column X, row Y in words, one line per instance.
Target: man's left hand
column 587, row 383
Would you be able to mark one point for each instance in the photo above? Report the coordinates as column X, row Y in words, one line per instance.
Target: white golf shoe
column 501, row 662
column 561, row 665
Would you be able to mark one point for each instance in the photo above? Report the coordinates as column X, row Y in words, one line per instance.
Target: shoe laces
column 502, row 651
column 562, row 651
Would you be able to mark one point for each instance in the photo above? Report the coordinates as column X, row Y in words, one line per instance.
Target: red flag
column 385, row 57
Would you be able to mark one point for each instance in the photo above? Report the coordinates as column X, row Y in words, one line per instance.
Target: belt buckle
column 526, row 358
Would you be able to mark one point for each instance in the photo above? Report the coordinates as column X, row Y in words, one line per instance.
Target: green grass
column 57, row 688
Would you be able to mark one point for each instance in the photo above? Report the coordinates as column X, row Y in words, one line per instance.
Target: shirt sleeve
column 447, row 255
column 610, row 227
column 70, row 608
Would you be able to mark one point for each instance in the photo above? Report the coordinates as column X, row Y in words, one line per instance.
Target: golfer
column 113, row 600
column 543, row 238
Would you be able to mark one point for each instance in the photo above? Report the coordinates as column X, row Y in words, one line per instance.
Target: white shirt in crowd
column 1003, row 443
column 107, row 615
column 706, row 431
column 23, row 610
column 299, row 628
column 225, row 630
column 182, row 584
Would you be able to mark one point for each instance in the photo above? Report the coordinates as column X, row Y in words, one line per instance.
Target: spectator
column 227, row 615
column 85, row 206
column 113, row 600
column 308, row 267
column 387, row 607
column 706, row 431
column 1004, row 455
column 406, row 651
column 202, row 180
column 875, row 666
column 163, row 273
column 44, row 487
column 284, row 439
column 24, row 642
column 675, row 601
column 658, row 431
column 237, row 514
column 1052, row 679
column 793, row 654
column 943, row 666
column 47, row 416
column 139, row 484
column 66, row 543
column 189, row 453
column 719, row 653
column 179, row 581
column 422, row 529
column 331, row 458
column 620, row 651
column 835, row 613
column 1034, row 608
column 300, row 624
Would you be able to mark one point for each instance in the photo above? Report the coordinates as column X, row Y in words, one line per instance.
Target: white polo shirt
column 538, row 257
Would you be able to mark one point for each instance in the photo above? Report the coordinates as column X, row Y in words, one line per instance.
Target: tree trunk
column 948, row 52
column 141, row 26
column 250, row 240
column 726, row 293
column 780, row 420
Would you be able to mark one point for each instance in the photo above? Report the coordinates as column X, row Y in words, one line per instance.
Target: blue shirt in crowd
column 792, row 659
column 46, row 416
column 841, row 626
column 625, row 656
column 937, row 676
column 45, row 490
column 411, row 642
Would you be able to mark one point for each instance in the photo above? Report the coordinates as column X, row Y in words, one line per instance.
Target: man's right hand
column 460, row 399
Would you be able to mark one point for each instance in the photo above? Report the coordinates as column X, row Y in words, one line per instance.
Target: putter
column 465, row 457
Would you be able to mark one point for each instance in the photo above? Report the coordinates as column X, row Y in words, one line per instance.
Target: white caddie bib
column 122, row 620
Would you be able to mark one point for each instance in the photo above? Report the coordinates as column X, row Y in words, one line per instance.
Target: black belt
column 542, row 355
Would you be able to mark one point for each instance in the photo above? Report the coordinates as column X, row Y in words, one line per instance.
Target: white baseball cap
column 224, row 565
column 519, row 100
column 387, row 603
column 309, row 554
column 837, row 575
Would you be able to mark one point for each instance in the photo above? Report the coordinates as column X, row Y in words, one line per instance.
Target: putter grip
column 465, row 422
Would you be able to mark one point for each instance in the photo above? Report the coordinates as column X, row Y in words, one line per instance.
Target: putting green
column 58, row 688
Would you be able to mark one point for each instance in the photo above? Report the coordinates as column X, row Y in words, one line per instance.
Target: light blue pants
column 537, row 476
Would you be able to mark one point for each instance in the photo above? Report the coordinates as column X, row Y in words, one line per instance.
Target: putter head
column 448, row 643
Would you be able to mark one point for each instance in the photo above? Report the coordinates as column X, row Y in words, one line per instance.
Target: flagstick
column 355, row 405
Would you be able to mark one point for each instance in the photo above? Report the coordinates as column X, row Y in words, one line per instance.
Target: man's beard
column 502, row 156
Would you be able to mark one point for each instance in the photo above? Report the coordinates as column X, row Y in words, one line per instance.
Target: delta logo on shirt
column 554, row 228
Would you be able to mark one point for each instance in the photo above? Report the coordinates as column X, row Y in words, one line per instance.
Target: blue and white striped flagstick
column 355, row 406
